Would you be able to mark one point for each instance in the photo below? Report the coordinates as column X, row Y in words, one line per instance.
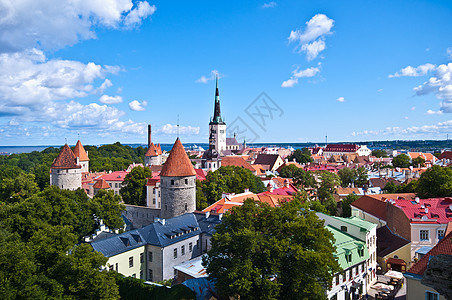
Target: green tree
column 42, row 175
column 289, row 171
column 300, row 176
column 301, row 156
column 201, row 200
column 435, row 182
column 107, row 206
column 361, row 177
column 134, row 186
column 401, row 161
column 17, row 188
column 260, row 252
column 379, row 153
column 230, row 179
column 346, row 208
column 347, row 176
column 326, row 189
column 418, row 161
column 391, row 188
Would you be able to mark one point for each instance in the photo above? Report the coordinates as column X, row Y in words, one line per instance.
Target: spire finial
column 177, row 125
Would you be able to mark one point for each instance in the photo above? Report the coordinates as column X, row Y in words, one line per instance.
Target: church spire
column 217, row 111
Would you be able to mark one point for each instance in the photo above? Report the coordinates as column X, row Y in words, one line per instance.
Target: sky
column 289, row 71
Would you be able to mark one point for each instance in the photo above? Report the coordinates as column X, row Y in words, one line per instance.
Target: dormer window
column 344, row 228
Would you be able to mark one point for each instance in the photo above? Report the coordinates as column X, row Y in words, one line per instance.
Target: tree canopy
column 379, row 153
column 301, row 156
column 260, row 252
column 418, row 162
column 401, row 161
column 300, row 176
column 435, row 182
column 327, row 187
column 230, row 179
column 133, row 189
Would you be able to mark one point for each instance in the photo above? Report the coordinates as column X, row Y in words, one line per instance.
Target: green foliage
column 301, row 156
column 356, row 176
column 361, row 177
column 418, row 162
column 326, row 189
column 134, row 186
column 113, row 157
column 379, row 153
column 42, row 175
column 346, row 208
column 391, row 188
column 17, row 187
column 289, row 171
column 301, row 177
column 107, row 206
column 201, row 200
column 401, row 161
column 256, row 243
column 230, row 179
column 435, row 182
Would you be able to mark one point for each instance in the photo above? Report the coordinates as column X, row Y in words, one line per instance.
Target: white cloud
column 413, row 108
column 269, row 4
column 309, row 72
column 432, row 112
column 312, row 39
column 406, row 118
column 440, row 85
column 105, row 85
column 54, row 24
column 110, row 99
column 380, row 90
column 205, row 79
column 139, row 13
column 449, row 52
column 138, row 106
column 414, row 71
column 183, row 130
column 13, row 122
column 340, row 99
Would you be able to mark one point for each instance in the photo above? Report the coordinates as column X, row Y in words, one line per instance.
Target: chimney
column 149, row 136
column 207, row 214
column 220, row 216
column 426, row 210
column 417, row 200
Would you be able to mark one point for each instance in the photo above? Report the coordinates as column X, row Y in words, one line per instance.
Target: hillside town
column 384, row 232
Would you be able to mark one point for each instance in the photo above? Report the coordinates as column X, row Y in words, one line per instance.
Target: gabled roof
column 101, row 184
column 65, row 159
column 445, row 155
column 232, row 142
column 237, row 161
column 443, row 247
column 371, row 206
column 80, row 152
column 341, row 148
column 266, row 159
column 178, row 163
column 345, row 245
column 433, row 210
column 152, row 151
column 387, row 242
column 382, row 182
column 115, row 176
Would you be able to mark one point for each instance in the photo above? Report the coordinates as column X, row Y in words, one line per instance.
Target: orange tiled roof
column 101, row 184
column 80, row 152
column 152, row 151
column 178, row 163
column 236, row 161
column 65, row 159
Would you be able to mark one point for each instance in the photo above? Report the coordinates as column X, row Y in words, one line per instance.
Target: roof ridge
column 65, row 159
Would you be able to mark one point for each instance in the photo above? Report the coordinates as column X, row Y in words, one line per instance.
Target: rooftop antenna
column 177, row 125
column 78, row 135
column 326, row 139
column 65, row 140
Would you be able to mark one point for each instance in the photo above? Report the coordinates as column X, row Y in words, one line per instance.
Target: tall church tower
column 217, row 127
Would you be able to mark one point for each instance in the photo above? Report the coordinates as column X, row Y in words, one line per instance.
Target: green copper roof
column 346, row 245
column 358, row 222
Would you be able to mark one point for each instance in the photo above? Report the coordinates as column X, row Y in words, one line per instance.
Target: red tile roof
column 101, row 184
column 445, row 155
column 152, row 151
column 65, row 159
column 115, row 176
column 200, row 174
column 178, row 163
column 237, row 161
column 434, row 210
column 341, row 148
column 443, row 247
column 80, row 152
column 372, row 206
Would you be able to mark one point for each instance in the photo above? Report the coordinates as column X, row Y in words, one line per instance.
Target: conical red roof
column 178, row 163
column 159, row 149
column 152, row 151
column 101, row 184
column 80, row 152
column 65, row 160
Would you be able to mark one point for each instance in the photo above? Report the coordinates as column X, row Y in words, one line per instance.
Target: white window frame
column 422, row 233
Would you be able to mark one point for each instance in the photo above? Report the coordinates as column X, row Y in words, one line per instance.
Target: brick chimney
column 149, row 136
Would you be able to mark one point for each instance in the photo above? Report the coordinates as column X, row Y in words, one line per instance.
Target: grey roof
column 266, row 159
column 232, row 141
column 175, row 229
column 207, row 225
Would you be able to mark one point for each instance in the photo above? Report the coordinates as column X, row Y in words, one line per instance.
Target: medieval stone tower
column 153, row 156
column 82, row 155
column 178, row 184
column 66, row 171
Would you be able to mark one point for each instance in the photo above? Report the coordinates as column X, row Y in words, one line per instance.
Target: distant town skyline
column 289, row 71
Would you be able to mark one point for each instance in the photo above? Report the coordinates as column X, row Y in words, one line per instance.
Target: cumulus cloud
column 340, row 99
column 183, row 130
column 432, row 112
column 28, row 79
column 297, row 73
column 435, row 130
column 205, row 79
column 414, row 71
column 110, row 99
column 269, row 4
column 54, row 24
column 311, row 40
column 138, row 106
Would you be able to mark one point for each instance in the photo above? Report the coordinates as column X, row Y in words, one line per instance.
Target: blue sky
column 102, row 70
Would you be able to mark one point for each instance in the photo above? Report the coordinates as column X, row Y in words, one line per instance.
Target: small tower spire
column 217, row 111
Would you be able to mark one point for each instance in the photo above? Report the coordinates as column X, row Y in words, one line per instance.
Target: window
column 141, row 274
column 348, row 257
column 175, row 252
column 110, row 268
column 116, row 267
column 423, row 236
column 344, row 228
column 172, row 182
column 130, row 261
column 197, row 244
column 150, row 275
column 186, row 206
column 175, row 272
column 440, row 234
column 190, row 247
column 150, row 256
column 141, row 258
column 134, row 275
column 431, row 295
column 182, row 250
column 186, row 181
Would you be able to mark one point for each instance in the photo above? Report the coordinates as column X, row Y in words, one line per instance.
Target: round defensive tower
column 66, row 171
column 177, row 183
